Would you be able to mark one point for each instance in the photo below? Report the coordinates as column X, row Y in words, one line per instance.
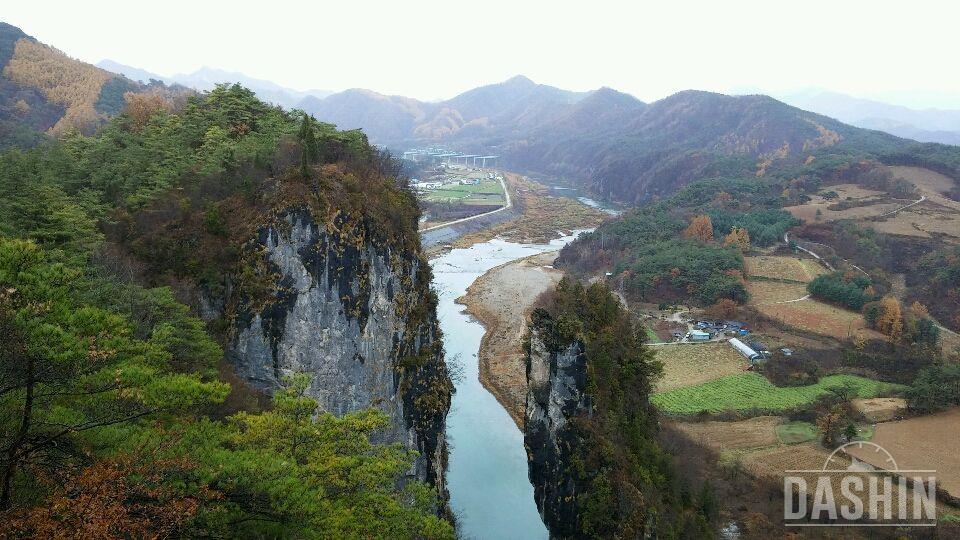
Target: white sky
column 435, row 49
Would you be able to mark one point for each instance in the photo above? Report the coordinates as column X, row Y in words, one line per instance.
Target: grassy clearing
column 797, row 432
column 773, row 300
column 750, row 391
column 687, row 365
column 873, row 203
column 786, row 268
column 922, row 220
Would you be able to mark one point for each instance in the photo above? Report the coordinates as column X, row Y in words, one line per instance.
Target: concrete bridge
column 439, row 155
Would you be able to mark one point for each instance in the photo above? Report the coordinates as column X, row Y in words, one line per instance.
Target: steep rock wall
column 358, row 317
column 556, row 380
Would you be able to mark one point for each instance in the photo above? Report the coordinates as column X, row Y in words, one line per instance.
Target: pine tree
column 308, row 143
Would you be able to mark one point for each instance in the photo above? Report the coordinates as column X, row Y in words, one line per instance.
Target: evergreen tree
column 308, row 145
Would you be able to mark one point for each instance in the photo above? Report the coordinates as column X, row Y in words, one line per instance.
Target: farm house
column 745, row 350
column 696, row 335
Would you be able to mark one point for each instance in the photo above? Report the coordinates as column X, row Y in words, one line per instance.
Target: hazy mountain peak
column 130, row 72
column 519, row 80
column 609, row 95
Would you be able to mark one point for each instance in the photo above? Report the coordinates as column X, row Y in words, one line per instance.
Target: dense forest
column 118, row 415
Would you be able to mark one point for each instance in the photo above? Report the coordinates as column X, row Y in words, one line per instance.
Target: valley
column 236, row 310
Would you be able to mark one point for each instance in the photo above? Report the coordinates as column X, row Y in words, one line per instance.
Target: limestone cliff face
column 357, row 316
column 556, row 379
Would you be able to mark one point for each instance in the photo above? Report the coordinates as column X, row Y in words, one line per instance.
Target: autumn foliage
column 738, row 237
column 122, row 497
column 63, row 80
column 701, row 228
column 723, row 309
column 890, row 319
column 141, row 107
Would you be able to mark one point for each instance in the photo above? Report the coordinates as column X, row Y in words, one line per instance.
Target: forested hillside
column 687, row 247
column 489, row 112
column 625, row 150
column 119, row 414
column 44, row 91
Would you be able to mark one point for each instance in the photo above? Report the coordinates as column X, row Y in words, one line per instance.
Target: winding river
column 490, row 492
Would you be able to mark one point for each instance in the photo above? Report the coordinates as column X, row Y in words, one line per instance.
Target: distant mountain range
column 614, row 144
column 926, row 125
column 206, row 78
column 619, row 146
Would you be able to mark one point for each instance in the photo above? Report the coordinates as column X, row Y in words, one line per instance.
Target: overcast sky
column 435, row 49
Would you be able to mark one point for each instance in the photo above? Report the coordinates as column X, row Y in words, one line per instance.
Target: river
column 490, row 492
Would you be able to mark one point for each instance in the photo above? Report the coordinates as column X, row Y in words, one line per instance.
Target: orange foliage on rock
column 700, row 228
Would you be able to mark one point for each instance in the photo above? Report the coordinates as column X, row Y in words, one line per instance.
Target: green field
column 750, row 391
column 797, row 432
column 486, row 192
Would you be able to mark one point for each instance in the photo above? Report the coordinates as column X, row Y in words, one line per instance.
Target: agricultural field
column 773, row 462
column 820, row 318
column 870, row 203
column 783, row 268
column 774, row 292
column 880, row 409
column 751, row 391
column 784, row 302
column 924, row 442
column 925, row 179
column 747, row 434
column 486, row 192
column 922, row 220
column 687, row 365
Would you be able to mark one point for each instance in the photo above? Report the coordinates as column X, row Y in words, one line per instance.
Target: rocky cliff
column 590, row 431
column 556, row 378
column 355, row 314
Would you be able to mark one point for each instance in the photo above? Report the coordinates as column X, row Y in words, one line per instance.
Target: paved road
column 506, row 193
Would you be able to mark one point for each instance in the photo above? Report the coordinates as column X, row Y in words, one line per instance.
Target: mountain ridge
column 621, row 148
column 925, row 125
column 206, row 78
